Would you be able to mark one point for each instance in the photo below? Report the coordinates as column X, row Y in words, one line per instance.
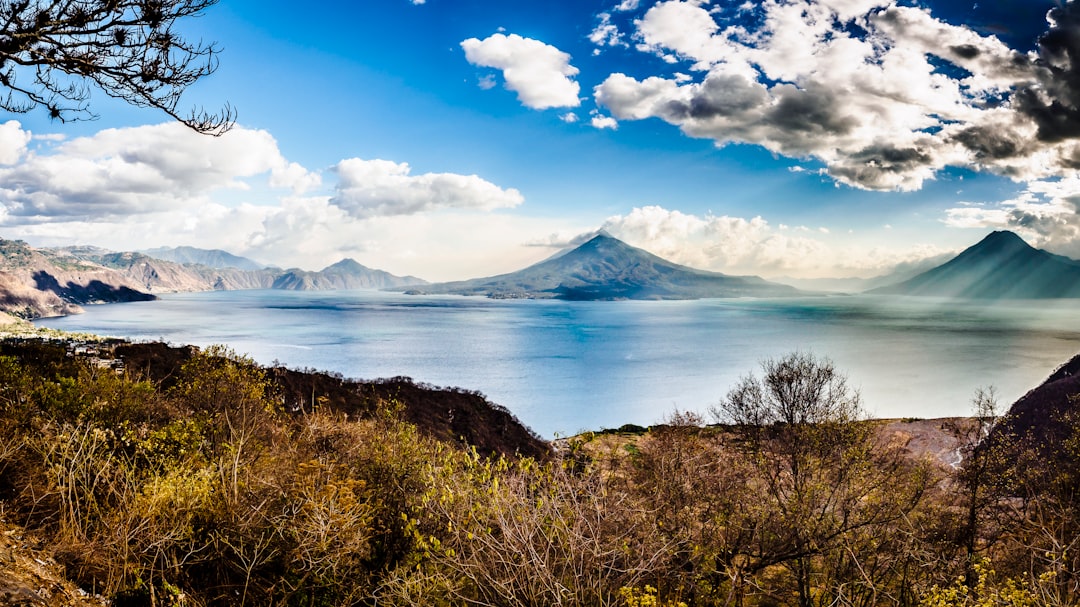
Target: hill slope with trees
column 197, row 478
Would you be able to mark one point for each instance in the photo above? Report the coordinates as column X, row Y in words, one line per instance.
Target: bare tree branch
column 51, row 52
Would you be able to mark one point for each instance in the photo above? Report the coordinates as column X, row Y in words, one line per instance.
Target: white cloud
column 141, row 170
column 627, row 5
column 604, row 122
column 13, row 141
column 874, row 107
column 569, row 117
column 164, row 185
column 368, row 188
column 735, row 245
column 606, row 33
column 539, row 73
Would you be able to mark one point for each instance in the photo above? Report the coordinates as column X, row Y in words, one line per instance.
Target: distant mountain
column 900, row 273
column 211, row 258
column 345, row 274
column 608, row 268
column 159, row 276
column 54, row 282
column 1000, row 266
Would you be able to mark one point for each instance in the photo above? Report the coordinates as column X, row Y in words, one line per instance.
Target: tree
column 52, row 50
column 975, row 474
column 825, row 477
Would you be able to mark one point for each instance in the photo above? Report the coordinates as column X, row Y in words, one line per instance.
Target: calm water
column 568, row 366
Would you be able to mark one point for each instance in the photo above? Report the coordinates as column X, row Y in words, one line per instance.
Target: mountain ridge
column 1000, row 266
column 606, row 268
column 212, row 258
column 55, row 282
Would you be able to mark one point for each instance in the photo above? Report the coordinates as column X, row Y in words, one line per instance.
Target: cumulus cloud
column 139, row 170
column 163, row 185
column 735, row 245
column 368, row 188
column 884, row 96
column 539, row 73
column 604, row 122
column 13, row 141
column 606, row 33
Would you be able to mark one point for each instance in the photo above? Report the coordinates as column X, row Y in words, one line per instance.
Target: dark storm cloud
column 991, row 143
column 1055, row 104
column 883, row 106
column 726, row 95
column 965, row 51
column 877, row 166
column 808, row 111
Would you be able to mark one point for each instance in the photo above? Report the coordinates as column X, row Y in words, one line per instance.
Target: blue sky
column 452, row 139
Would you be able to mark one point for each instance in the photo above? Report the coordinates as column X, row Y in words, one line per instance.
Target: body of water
column 562, row 367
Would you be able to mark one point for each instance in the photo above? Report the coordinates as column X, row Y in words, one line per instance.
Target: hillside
column 605, row 268
column 187, row 477
column 37, row 282
column 1000, row 266
column 160, row 276
column 449, row 414
column 163, row 276
column 1047, row 412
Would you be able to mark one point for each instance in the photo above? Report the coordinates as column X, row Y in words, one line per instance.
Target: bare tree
column 974, row 473
column 825, row 478
column 51, row 51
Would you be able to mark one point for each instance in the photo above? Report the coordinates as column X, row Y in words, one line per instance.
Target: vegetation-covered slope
column 197, row 478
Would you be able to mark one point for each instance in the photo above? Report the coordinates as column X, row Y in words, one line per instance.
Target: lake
column 563, row 367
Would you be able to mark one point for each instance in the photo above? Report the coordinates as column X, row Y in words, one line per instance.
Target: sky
column 451, row 139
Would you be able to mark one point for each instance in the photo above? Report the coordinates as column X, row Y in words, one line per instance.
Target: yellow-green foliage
column 169, row 445
column 646, row 597
column 209, row 494
column 988, row 591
